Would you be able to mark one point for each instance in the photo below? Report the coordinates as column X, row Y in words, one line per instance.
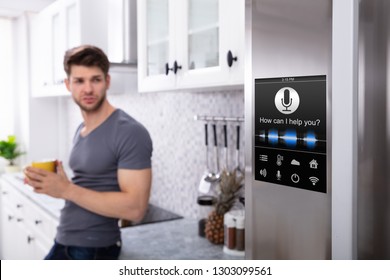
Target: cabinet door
column 65, row 31
column 2, row 193
column 27, row 231
column 72, row 25
column 122, row 31
column 200, row 40
column 156, row 44
column 48, row 48
column 39, row 249
column 234, row 19
column 12, row 234
column 7, row 229
column 210, row 43
column 58, row 45
column 41, row 58
column 62, row 25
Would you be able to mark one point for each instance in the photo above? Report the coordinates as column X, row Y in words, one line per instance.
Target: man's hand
column 46, row 182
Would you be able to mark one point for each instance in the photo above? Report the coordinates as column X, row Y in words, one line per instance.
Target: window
column 6, row 71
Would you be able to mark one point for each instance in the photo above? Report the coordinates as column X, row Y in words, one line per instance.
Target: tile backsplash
column 178, row 140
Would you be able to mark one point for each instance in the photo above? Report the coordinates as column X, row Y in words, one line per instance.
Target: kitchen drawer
column 13, row 199
column 42, row 223
column 28, row 229
column 26, row 210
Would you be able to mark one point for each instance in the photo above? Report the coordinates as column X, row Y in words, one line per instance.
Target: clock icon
column 295, row 178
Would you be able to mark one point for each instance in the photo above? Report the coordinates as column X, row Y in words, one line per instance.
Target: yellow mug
column 49, row 165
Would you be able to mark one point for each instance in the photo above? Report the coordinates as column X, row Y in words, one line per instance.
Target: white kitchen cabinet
column 122, row 31
column 186, row 44
column 63, row 25
column 27, row 231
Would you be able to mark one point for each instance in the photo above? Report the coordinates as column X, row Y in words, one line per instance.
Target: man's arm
column 130, row 203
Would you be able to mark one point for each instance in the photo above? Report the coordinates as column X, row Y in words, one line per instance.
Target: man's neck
column 93, row 119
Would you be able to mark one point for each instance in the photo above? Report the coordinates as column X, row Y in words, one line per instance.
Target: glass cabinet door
column 203, row 34
column 157, row 36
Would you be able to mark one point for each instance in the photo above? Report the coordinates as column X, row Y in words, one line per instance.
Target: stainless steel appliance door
column 284, row 39
column 373, row 197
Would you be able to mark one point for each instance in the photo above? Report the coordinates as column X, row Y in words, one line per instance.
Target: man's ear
column 108, row 80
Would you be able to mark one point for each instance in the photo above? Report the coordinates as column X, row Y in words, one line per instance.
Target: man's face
column 88, row 86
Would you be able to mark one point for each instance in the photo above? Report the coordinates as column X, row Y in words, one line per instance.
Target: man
column 111, row 163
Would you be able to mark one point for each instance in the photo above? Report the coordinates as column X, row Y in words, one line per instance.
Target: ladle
column 214, row 177
column 204, row 185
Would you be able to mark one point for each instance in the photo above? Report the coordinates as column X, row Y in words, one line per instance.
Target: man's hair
column 86, row 55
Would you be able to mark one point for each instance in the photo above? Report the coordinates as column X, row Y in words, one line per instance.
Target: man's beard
column 95, row 108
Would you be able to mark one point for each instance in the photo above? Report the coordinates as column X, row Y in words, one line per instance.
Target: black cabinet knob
column 230, row 58
column 174, row 69
column 30, row 239
column 167, row 68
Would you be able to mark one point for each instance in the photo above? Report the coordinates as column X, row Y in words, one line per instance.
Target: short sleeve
column 134, row 147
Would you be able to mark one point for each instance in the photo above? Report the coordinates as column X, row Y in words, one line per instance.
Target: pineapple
column 229, row 186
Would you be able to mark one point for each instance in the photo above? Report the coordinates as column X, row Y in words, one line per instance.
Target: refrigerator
column 317, row 129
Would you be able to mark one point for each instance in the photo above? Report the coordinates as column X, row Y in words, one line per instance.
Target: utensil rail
column 218, row 118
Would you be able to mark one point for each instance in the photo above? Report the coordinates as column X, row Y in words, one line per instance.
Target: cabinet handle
column 167, row 69
column 19, row 205
column 37, row 222
column 29, row 239
column 10, row 217
column 175, row 68
column 4, row 192
column 19, row 220
column 231, row 58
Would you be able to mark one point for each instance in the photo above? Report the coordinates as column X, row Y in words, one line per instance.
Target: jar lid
column 206, row 200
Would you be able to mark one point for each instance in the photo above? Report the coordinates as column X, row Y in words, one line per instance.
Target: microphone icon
column 286, row 100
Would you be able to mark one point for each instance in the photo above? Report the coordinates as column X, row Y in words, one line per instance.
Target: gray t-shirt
column 120, row 142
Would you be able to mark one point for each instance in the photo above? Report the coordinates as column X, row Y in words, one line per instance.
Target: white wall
column 7, row 102
column 6, row 96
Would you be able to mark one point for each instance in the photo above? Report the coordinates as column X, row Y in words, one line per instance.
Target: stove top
column 154, row 214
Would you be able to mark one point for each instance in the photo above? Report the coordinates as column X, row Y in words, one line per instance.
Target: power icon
column 295, row 178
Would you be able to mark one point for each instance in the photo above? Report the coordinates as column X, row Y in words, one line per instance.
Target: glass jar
column 206, row 205
column 240, row 233
column 229, row 231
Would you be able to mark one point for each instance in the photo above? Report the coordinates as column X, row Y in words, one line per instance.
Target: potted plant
column 9, row 151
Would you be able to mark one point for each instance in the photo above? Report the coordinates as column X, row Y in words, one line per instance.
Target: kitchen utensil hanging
column 216, row 154
column 204, row 185
column 238, row 169
column 226, row 147
column 216, row 120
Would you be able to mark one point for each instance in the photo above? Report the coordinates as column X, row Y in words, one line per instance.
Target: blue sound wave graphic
column 273, row 136
column 289, row 138
column 310, row 140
